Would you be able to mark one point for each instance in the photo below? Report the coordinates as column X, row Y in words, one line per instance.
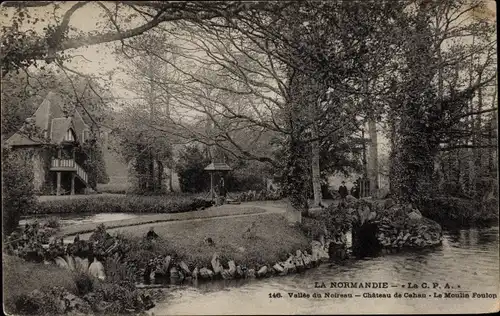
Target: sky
column 98, row 60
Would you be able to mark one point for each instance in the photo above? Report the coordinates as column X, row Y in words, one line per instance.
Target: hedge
column 122, row 204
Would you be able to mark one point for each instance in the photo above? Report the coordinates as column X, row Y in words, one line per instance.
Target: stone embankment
column 166, row 267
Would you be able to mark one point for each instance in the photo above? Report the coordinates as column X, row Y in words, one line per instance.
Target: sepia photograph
column 286, row 157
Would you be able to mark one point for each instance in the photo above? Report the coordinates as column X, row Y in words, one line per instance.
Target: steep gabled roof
column 48, row 110
column 79, row 124
column 19, row 139
column 50, row 117
column 60, row 127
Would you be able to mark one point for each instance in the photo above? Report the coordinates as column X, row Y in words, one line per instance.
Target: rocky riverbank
column 392, row 226
column 136, row 266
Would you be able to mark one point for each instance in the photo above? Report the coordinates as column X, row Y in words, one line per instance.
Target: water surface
column 467, row 258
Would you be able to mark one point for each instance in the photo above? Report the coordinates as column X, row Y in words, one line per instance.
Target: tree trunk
column 170, row 179
column 297, row 164
column 140, row 169
column 477, row 139
column 160, row 174
column 151, row 172
column 373, row 174
column 392, row 160
column 417, row 145
column 470, row 155
column 316, row 172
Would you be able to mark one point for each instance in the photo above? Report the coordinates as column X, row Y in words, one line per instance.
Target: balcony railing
column 68, row 165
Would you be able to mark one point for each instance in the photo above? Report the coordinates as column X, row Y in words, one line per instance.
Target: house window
column 70, row 136
column 85, row 135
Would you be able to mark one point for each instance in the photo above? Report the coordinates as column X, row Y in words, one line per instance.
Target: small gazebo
column 216, row 167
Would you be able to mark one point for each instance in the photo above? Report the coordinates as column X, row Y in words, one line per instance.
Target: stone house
column 57, row 164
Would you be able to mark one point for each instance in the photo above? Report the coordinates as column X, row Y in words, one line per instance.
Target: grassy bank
column 21, row 277
column 248, row 240
column 172, row 203
column 36, row 288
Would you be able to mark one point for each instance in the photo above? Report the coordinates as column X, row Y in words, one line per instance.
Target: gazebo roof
column 218, row 166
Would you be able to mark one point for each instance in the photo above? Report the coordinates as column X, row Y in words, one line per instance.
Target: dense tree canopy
column 293, row 85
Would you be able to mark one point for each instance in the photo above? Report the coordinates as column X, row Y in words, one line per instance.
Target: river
column 467, row 258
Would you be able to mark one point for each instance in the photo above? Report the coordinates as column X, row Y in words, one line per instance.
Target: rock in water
column 226, row 275
column 262, row 271
column 307, row 259
column 289, row 265
column 174, row 273
column 239, row 271
column 232, row 268
column 299, row 264
column 71, row 262
column 251, row 273
column 278, row 268
column 96, row 269
column 185, row 268
column 61, row 263
column 216, row 265
column 195, row 273
column 166, row 264
column 206, row 273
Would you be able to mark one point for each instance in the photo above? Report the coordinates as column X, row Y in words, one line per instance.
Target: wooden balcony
column 69, row 165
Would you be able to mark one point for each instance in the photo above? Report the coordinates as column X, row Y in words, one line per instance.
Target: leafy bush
column 448, row 210
column 190, row 169
column 263, row 195
column 114, row 298
column 84, row 283
column 94, row 162
column 18, row 195
column 53, row 222
column 173, row 203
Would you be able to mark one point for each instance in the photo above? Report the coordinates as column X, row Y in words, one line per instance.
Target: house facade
column 54, row 150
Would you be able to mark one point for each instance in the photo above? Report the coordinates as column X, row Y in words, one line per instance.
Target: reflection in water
column 468, row 258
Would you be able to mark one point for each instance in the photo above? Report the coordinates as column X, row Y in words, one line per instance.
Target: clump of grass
column 53, row 222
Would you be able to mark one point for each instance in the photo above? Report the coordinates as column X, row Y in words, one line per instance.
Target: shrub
column 172, row 203
column 18, row 195
column 190, row 169
column 448, row 210
column 84, row 283
column 53, row 222
column 263, row 195
column 114, row 298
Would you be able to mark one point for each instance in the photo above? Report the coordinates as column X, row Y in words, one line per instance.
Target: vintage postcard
column 249, row 157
